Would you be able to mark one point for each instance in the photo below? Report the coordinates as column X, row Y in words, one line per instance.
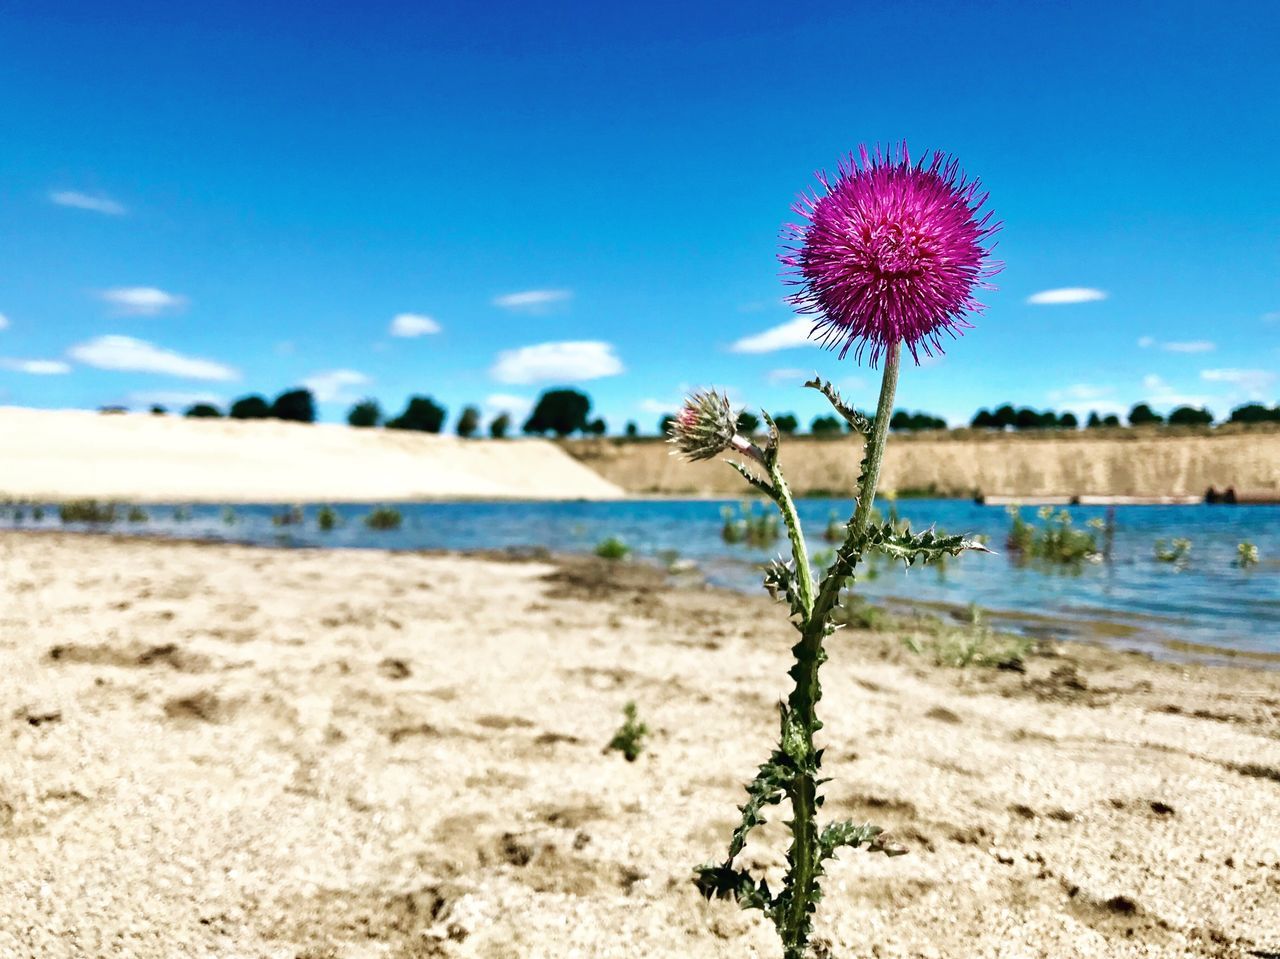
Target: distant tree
column 1005, row 417
column 1068, row 421
column 786, row 423
column 1190, row 416
column 597, row 427
column 631, row 429
column 561, row 411
column 468, row 422
column 421, row 414
column 1142, row 415
column 983, row 420
column 203, row 411
column 252, row 407
column 1095, row 421
column 297, row 405
column 664, row 424
column 1027, row 419
column 1254, row 413
column 114, row 408
column 1111, row 420
column 365, row 414
column 500, row 425
column 825, row 426
column 748, row 422
column 159, row 410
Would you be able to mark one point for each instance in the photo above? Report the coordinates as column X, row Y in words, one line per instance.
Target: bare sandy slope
column 62, row 454
column 1137, row 463
column 220, row 751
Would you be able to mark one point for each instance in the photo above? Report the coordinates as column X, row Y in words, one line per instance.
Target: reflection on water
column 1133, row 600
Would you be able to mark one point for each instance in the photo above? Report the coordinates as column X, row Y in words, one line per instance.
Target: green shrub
column 612, row 548
column 293, row 516
column 384, row 518
column 749, row 526
column 1055, row 542
column 137, row 515
column 1246, row 554
column 629, row 739
column 1177, row 552
column 973, row 644
column 87, row 511
column 326, row 518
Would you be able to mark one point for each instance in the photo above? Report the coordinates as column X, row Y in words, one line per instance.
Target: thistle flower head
column 891, row 251
column 705, row 425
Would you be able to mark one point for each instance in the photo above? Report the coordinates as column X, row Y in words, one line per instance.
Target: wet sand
column 215, row 750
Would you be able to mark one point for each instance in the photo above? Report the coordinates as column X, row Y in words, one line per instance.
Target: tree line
column 564, row 412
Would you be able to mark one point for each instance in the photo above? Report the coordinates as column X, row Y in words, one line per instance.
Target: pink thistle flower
column 893, row 251
column 705, row 426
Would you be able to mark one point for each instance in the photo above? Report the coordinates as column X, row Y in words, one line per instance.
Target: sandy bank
column 222, row 751
column 1129, row 463
column 65, row 454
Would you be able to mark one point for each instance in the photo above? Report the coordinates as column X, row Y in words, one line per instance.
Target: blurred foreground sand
column 64, row 454
column 222, row 751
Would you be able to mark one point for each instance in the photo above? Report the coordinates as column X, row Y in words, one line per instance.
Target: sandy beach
column 227, row 751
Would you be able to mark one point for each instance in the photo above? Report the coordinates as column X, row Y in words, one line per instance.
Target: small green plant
column 182, row 514
column 629, row 739
column 137, row 515
column 972, row 644
column 1056, row 542
column 293, row 516
column 37, row 514
column 383, row 518
column 749, row 526
column 228, row 516
column 1177, row 552
column 1246, row 555
column 87, row 511
column 326, row 518
column 834, row 533
column 612, row 548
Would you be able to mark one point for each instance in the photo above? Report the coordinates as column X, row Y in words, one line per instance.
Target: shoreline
column 220, row 750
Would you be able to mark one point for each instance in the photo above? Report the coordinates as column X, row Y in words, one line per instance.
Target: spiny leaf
column 767, row 789
column 855, row 419
column 780, row 581
column 925, row 547
column 775, row 438
column 725, row 882
column 763, row 485
column 839, row 835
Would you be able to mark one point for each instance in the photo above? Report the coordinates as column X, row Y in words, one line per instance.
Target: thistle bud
column 705, row 426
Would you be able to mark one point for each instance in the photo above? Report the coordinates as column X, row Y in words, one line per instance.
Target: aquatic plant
column 37, row 514
column 1055, row 542
column 1246, row 555
column 1177, row 552
column 383, row 518
column 629, row 739
column 612, row 548
column 228, row 516
column 749, row 526
column 182, row 514
column 890, row 257
column 87, row 511
column 326, row 518
column 973, row 644
column 293, row 516
column 137, row 515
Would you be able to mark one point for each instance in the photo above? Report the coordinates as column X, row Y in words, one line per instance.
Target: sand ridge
column 64, row 454
column 228, row 751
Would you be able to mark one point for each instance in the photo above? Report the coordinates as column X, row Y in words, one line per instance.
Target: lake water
column 1134, row 600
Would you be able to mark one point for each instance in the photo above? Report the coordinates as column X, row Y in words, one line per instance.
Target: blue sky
column 209, row 202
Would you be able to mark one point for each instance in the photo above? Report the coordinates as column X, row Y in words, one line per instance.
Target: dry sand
column 62, row 454
column 1135, row 463
column 222, row 751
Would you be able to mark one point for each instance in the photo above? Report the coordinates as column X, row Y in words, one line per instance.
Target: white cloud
column 568, row 361
column 1251, row 384
column 1082, row 392
column 1160, row 393
column 1185, row 346
column 124, row 353
column 4, row 322
column 412, row 324
column 330, row 386
column 36, row 367
column 517, row 407
column 792, row 376
column 1066, row 294
column 1272, row 317
column 142, row 300
column 1146, row 342
column 657, row 407
column 532, row 301
column 98, row 203
column 783, row 337
column 175, row 398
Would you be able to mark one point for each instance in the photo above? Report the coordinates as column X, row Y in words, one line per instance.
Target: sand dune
column 70, row 453
column 214, row 750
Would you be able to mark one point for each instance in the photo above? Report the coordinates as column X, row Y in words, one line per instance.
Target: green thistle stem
column 801, row 716
column 799, row 551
